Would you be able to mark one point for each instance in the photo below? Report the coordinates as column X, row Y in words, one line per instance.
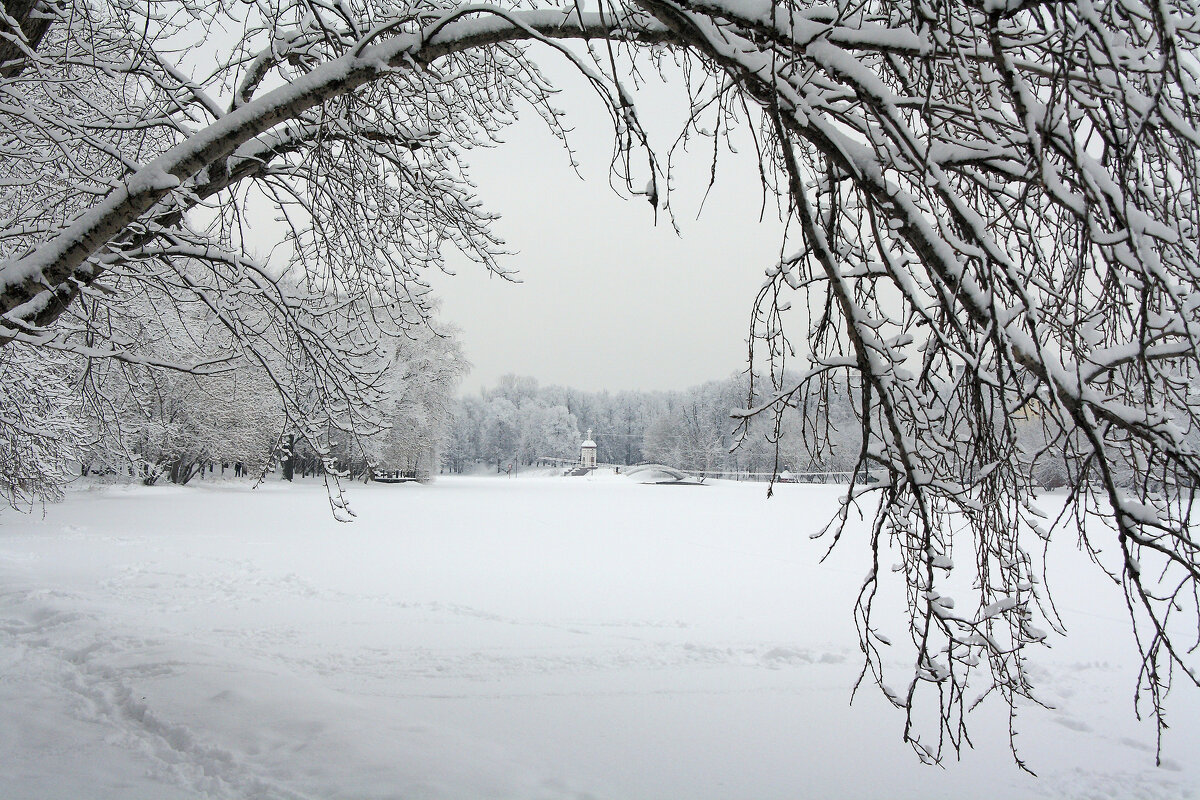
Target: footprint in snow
column 1074, row 724
column 1136, row 745
column 784, row 655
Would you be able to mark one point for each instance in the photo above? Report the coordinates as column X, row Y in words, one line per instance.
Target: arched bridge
column 674, row 474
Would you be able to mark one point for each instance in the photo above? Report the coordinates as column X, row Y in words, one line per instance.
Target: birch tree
column 991, row 205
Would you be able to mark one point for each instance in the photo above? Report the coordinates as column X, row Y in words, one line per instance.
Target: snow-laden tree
column 687, row 436
column 173, row 425
column 42, row 433
column 548, row 431
column 823, row 435
column 158, row 422
column 463, row 445
column 501, row 431
column 991, row 203
column 662, row 441
column 420, row 381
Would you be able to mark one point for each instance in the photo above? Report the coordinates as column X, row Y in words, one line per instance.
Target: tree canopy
column 992, row 210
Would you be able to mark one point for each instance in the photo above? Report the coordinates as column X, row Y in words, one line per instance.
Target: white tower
column 587, row 452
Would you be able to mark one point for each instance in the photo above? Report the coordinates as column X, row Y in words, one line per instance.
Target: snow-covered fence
column 784, row 476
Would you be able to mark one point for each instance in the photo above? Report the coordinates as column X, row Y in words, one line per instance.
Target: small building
column 587, row 452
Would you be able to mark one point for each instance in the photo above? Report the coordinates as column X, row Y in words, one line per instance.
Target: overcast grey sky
column 609, row 299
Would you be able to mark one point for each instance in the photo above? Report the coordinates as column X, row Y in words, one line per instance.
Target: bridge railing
column 785, row 476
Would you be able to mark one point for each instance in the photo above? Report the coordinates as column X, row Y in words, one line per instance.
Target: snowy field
column 504, row 638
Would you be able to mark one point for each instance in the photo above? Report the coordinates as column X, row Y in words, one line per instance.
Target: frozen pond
column 504, row 638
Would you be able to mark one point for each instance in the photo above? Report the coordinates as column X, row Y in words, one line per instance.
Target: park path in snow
column 504, row 638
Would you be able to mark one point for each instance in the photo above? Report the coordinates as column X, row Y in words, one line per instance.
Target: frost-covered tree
column 686, row 436
column 173, row 425
column 515, row 422
column 547, row 432
column 662, row 441
column 501, row 431
column 824, row 434
column 463, row 442
column 156, row 421
column 421, row 380
column 42, row 433
column 991, row 204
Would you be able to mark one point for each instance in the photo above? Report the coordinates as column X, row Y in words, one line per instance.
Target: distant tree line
column 519, row 422
column 419, row 383
column 185, row 400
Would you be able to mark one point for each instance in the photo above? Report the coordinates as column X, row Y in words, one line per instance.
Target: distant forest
column 519, row 422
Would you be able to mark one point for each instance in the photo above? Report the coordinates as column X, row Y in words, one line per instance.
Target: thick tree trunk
column 288, row 463
column 33, row 19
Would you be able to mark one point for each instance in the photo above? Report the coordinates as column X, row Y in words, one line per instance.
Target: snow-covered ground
column 503, row 638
